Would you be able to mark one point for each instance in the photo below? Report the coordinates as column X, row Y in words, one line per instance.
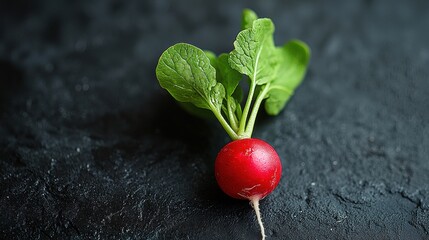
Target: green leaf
column 294, row 57
column 254, row 50
column 203, row 82
column 195, row 111
column 247, row 18
column 217, row 94
column 276, row 100
column 229, row 77
column 191, row 108
column 212, row 57
column 238, row 94
column 185, row 72
column 226, row 75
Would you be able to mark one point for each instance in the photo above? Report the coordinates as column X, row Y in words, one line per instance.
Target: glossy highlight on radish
column 249, row 169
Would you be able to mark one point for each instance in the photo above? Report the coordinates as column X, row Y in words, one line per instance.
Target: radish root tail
column 254, row 202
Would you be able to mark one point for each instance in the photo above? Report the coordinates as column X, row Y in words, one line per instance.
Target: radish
column 246, row 168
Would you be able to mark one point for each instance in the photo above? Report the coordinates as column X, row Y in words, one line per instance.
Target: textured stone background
column 92, row 148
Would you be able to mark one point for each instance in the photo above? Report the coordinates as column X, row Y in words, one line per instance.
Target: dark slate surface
column 92, row 148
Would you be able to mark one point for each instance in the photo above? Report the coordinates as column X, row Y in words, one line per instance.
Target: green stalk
column 243, row 119
column 252, row 119
column 232, row 118
column 224, row 123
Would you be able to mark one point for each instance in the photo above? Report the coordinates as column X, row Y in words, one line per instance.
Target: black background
column 92, row 148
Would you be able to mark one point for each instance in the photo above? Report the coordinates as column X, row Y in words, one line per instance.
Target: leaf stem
column 224, row 123
column 252, row 119
column 232, row 117
column 246, row 109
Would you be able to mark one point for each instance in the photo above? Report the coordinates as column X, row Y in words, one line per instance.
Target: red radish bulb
column 248, row 169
